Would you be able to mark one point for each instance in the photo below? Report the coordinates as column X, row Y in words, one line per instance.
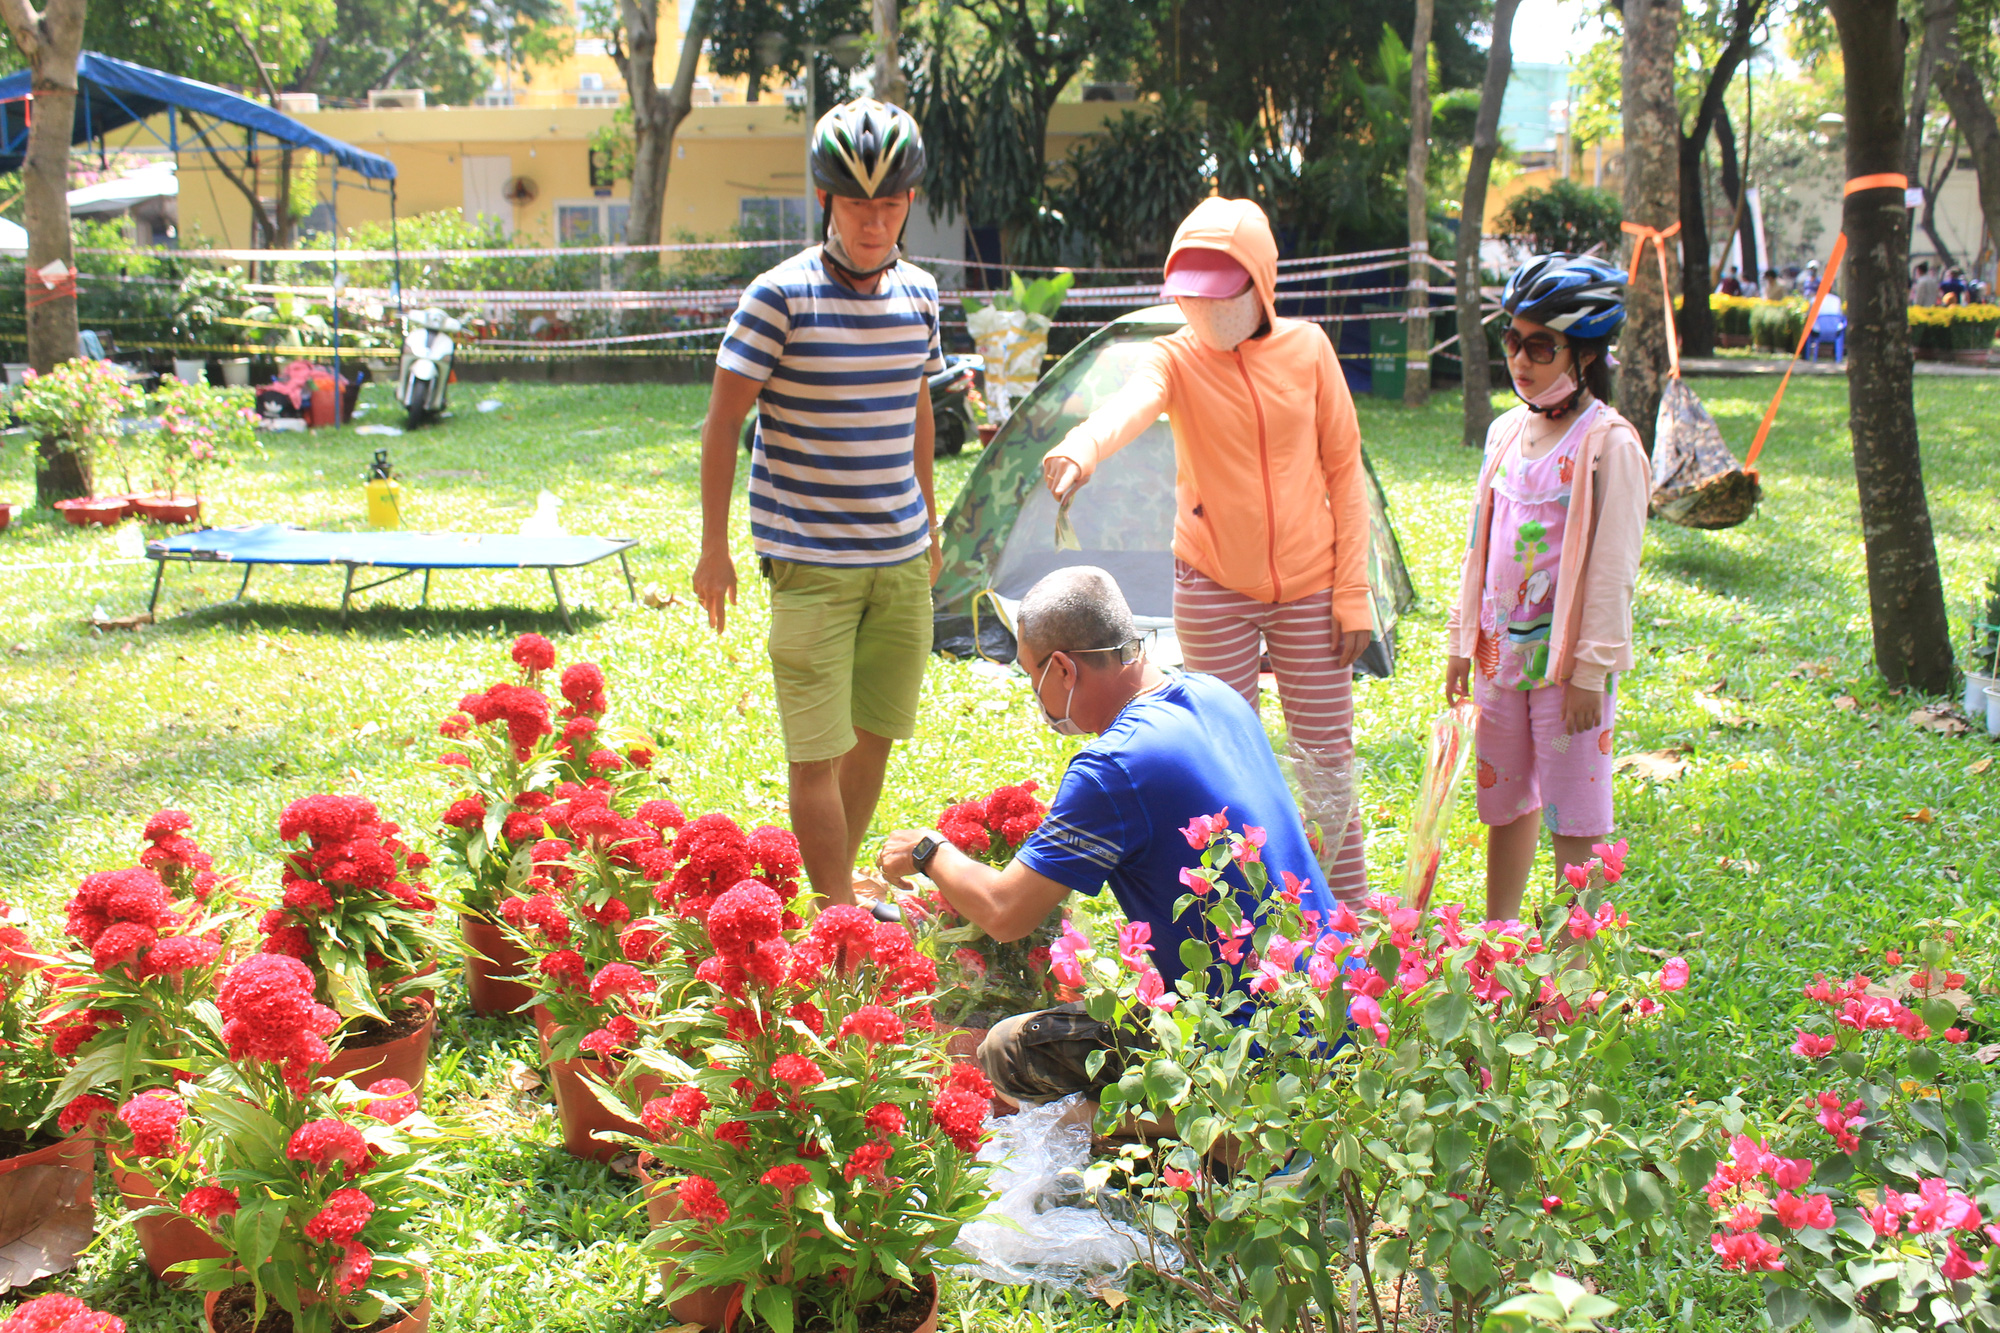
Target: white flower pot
column 1993, row 711
column 191, row 369
column 236, row 372
column 1975, row 694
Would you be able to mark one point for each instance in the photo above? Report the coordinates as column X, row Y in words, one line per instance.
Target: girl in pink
column 1543, row 619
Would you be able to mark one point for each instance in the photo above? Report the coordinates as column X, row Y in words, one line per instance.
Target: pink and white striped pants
column 1225, row 634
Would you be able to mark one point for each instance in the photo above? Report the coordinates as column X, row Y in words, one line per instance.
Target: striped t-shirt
column 833, row 476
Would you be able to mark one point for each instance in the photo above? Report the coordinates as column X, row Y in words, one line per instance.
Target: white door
column 486, row 190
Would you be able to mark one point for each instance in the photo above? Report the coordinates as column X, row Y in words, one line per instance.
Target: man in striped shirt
column 833, row 347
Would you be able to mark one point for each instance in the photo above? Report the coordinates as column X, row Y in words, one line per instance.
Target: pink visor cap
column 1196, row 271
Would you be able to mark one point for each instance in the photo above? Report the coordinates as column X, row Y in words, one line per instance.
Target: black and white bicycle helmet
column 1579, row 295
column 867, row 149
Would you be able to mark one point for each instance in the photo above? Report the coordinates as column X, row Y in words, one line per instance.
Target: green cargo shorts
column 848, row 646
column 1044, row 1056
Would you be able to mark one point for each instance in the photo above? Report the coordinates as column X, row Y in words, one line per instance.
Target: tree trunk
column 1652, row 199
column 1958, row 82
column 890, row 85
column 50, row 41
column 1478, row 386
column 1942, row 157
column 1905, row 591
column 1938, row 16
column 1416, row 198
column 1697, row 322
column 1736, row 185
column 657, row 114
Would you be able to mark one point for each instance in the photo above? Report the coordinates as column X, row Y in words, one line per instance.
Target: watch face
column 925, row 849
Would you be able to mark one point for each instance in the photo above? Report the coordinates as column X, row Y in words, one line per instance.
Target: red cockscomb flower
column 873, row 1024
column 209, row 1202
column 699, row 1199
column 684, row 1107
column 869, row 1160
column 82, row 1110
column 323, row 1144
column 395, row 1101
column 533, row 653
column 341, row 1220
column 155, row 1120
column 583, row 686
column 786, row 1179
column 617, row 979
column 797, row 1071
column 846, row 934
column 356, row 1266
column 743, row 917
column 961, row 1114
column 885, row 1118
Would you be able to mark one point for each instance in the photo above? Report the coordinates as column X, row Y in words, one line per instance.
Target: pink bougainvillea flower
column 1747, row 1252
column 1201, row 830
column 1954, row 1035
column 1744, row 1217
column 1788, row 1173
column 1195, row 882
column 1367, row 1014
column 1959, row 1266
column 1135, row 941
column 1177, row 1179
column 1551, row 1202
column 1233, row 947
column 1249, row 848
column 1812, row 1047
column 1611, row 857
column 1674, row 974
column 1892, row 958
column 1151, row 991
column 1796, row 1213
column 1063, row 960
column 1841, row 1120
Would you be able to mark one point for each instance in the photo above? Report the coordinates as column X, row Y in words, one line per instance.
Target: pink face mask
column 1551, row 398
column 1224, row 321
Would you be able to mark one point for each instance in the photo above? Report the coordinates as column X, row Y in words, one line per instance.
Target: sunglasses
column 1541, row 348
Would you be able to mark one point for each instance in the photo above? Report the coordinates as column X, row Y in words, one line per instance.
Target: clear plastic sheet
column 1323, row 785
column 1048, row 1225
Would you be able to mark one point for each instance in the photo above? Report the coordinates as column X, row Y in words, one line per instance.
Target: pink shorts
column 1526, row 762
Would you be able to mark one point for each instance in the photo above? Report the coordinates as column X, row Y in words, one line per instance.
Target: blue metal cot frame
column 406, row 552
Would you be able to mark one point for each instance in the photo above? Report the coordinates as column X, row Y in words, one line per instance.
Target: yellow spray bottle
column 385, row 494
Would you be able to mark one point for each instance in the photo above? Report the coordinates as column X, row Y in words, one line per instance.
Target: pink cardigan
column 1592, row 634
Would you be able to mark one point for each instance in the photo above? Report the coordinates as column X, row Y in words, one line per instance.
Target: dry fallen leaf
column 1655, row 765
column 1986, row 1055
column 658, row 599
column 1924, row 816
column 743, row 704
column 1740, row 867
column 521, row 1078
column 1720, row 685
column 1980, row 765
column 1814, row 670
column 1846, row 703
column 1111, row 1296
column 1941, row 718
column 120, row 622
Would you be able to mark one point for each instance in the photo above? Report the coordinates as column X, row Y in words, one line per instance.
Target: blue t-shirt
column 1192, row 747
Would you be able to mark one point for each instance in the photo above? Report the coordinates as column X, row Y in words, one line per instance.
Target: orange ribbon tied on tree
column 1657, row 236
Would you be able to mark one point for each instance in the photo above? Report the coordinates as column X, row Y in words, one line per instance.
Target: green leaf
column 1830, row 1314
column 1196, row 957
column 1453, row 1148
column 1509, row 1166
column 1968, row 1112
column 1166, row 1082
column 1520, row 1044
column 1604, row 1102
column 1643, row 1197
column 258, row 1226
column 1924, row 1062
column 1783, row 1306
column 1471, row 1268
column 1697, row 1164
column 1445, row 1016
column 774, row 1307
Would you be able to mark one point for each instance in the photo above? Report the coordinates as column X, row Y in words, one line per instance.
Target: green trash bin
column 1388, row 341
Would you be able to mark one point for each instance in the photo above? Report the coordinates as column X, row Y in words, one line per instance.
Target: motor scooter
column 424, row 375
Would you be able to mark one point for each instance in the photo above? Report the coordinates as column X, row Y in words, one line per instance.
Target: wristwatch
column 921, row 854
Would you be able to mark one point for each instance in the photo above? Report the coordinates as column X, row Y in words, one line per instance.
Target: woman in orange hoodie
column 1271, row 512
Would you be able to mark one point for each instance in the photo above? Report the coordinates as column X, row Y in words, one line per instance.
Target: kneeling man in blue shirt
column 1168, row 749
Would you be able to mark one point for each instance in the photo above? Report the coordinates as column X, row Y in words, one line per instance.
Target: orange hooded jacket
column 1270, row 498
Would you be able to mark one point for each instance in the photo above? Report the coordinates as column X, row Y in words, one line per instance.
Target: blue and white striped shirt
column 833, row 476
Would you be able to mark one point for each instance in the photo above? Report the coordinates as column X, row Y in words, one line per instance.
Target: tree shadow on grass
column 380, row 621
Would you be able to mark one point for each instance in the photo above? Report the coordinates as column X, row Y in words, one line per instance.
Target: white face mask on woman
column 1224, row 321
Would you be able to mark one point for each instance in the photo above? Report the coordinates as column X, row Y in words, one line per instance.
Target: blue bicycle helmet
column 1579, row 295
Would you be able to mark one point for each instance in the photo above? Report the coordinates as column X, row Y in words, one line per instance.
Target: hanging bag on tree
column 1697, row 481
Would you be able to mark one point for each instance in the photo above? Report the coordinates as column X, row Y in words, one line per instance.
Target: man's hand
column 937, row 556
column 1348, row 645
column 715, row 585
column 1062, row 475
column 894, row 860
column 1457, row 679
column 1582, row 709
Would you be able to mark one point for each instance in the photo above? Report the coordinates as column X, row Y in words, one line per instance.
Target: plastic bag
column 1013, row 344
column 1046, row 1224
column 1697, row 481
column 1323, row 785
column 1451, row 747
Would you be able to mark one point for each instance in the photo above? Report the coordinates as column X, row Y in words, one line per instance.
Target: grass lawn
column 1811, row 828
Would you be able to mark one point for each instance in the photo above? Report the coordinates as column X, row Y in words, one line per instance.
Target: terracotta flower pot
column 581, row 1113
column 169, row 508
column 46, row 1215
column 986, row 434
column 402, row 1056
column 96, row 511
column 490, row 958
column 416, row 1321
column 710, row 1307
column 166, row 1241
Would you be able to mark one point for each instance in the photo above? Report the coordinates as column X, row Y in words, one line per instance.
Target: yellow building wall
column 722, row 155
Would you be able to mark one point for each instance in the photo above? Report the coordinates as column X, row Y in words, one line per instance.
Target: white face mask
column 1061, row 726
column 1551, row 398
column 836, row 250
column 1221, row 322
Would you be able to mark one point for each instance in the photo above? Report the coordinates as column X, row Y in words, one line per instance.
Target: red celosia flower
column 323, row 1144
column 523, row 826
column 120, row 943
column 775, row 853
column 466, row 812
column 617, row 1033
column 961, row 1114
column 643, row 944
column 744, row 917
column 70, row 1033
column 885, row 1118
column 846, row 933
column 356, row 1266
column 326, row 818
column 341, row 1220
column 583, row 686
column 395, row 1101
column 533, row 653
column 155, row 1120
column 873, row 1024
column 604, row 761
column 699, row 1199
column 969, row 1078
column 209, row 1202
column 82, row 1110
column 660, row 814
column 683, row 1107
column 743, row 1024
column 786, row 1179
column 808, row 1013
column 567, row 968
column 178, row 953
column 612, row 912
column 167, row 822
column 306, row 896
column 964, row 826
column 617, row 979
column 47, row 1314
column 796, row 1070
column 455, row 727
column 269, row 1013
column 969, row 960
column 869, row 1160
column 734, row 1133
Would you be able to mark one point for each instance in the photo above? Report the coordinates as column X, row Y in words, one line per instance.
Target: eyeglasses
column 1541, row 348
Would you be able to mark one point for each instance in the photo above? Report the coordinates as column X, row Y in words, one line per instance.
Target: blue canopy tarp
column 113, row 93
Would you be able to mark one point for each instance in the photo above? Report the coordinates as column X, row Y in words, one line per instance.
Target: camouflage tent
column 1000, row 534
